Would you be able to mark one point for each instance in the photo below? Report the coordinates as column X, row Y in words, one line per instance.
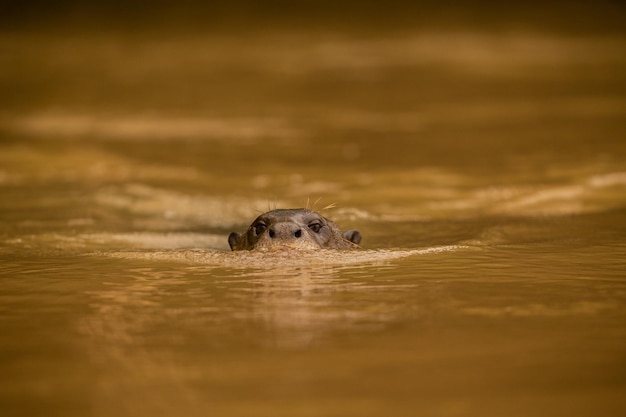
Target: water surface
column 485, row 171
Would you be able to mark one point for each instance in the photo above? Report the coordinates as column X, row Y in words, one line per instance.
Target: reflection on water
column 485, row 171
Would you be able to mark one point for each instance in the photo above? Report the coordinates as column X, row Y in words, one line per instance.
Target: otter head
column 293, row 228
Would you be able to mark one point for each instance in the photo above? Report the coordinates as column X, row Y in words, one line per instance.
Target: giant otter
column 293, row 228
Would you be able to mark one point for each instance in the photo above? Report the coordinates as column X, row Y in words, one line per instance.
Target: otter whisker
column 293, row 228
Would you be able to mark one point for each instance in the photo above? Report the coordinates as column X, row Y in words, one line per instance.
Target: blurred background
column 557, row 15
column 278, row 102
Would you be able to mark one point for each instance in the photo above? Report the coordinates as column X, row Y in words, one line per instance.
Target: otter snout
column 294, row 229
column 285, row 231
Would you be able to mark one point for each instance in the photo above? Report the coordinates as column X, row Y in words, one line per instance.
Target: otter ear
column 233, row 239
column 353, row 236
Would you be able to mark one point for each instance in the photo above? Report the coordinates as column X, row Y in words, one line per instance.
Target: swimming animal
column 293, row 229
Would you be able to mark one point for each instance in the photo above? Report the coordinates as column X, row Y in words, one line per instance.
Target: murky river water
column 486, row 172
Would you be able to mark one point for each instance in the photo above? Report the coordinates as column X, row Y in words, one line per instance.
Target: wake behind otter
column 283, row 258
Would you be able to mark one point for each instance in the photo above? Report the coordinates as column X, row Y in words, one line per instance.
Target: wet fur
column 293, row 228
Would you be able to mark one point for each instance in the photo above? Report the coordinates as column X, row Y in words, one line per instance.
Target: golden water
column 486, row 172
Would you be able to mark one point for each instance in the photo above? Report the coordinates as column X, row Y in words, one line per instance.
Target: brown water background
column 488, row 141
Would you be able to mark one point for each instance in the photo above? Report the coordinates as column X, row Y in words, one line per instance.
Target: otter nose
column 285, row 231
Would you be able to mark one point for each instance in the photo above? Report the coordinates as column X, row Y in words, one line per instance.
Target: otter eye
column 259, row 228
column 316, row 227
